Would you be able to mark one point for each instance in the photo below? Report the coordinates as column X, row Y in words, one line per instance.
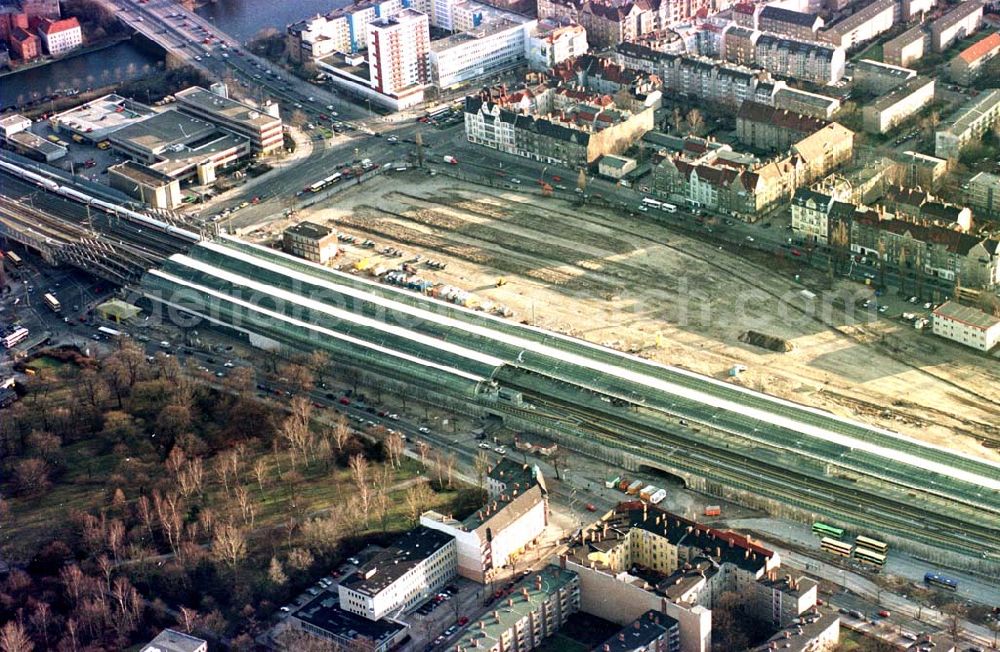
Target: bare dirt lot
column 642, row 287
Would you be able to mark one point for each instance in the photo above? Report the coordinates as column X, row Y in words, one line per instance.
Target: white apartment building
column 516, row 513
column 863, row 25
column 418, row 564
column 551, row 43
column 958, row 23
column 965, row 325
column 810, row 215
column 61, row 36
column 912, row 8
column 906, row 48
column 822, row 64
column 491, row 47
column 888, row 111
column 970, row 122
column 398, row 48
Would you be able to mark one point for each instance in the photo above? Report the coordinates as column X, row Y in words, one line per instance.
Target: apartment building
column 795, row 25
column 968, row 123
column 535, row 609
column 24, row 45
column 969, row 63
column 815, row 62
column 262, row 128
column 311, row 241
column 910, row 9
column 898, row 105
column 60, row 36
column 823, row 151
column 810, row 104
column 496, row 45
column 409, row 571
column 320, row 36
column 862, row 26
column 739, row 45
column 573, row 137
column 879, row 78
column 966, row 325
column 935, row 250
column 908, row 47
column 923, row 170
column 810, row 215
column 769, row 128
column 41, row 9
column 551, row 43
column 514, row 516
column 651, row 632
column 698, row 77
column 399, row 52
column 638, row 558
column 964, row 19
column 983, row 193
column 815, row 632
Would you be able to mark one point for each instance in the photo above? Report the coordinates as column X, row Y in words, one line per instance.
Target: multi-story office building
column 861, row 26
column 968, row 123
column 899, row 104
column 515, row 514
column 262, row 128
column 311, row 241
column 769, row 128
column 797, row 25
column 815, row 62
column 965, row 325
column 969, row 63
column 399, row 52
column 493, row 46
column 879, row 78
column 535, row 609
column 551, row 43
column 60, row 36
column 409, row 571
column 651, row 632
column 983, row 193
column 964, row 19
column 908, row 47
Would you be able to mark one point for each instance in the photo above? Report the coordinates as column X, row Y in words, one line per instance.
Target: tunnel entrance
column 661, row 478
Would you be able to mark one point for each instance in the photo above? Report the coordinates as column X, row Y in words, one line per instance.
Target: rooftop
column 141, row 173
column 799, row 637
column 310, row 230
column 860, row 17
column 645, row 629
column 102, row 116
column 971, row 112
column 879, row 68
column 900, row 93
column 324, row 613
column 805, row 97
column 526, row 597
column 907, row 37
column 788, row 16
column 980, row 48
column 783, row 118
column 33, row 141
column 163, row 130
column 225, row 108
column 12, row 120
column 961, row 11
column 395, row 561
column 170, row 640
column 56, row 26
column 617, row 162
column 967, row 315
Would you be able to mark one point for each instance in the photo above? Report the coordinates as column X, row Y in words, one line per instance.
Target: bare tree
column 394, row 446
column 482, row 464
column 360, row 472
column 276, row 573
column 260, row 472
column 247, row 507
column 341, row 433
column 417, row 497
column 449, row 468
column 14, row 638
column 229, row 544
column 696, row 121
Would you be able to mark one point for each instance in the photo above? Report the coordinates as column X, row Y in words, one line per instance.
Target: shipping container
column 713, row 510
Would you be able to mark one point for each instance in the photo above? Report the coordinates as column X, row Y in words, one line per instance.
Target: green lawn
column 561, row 643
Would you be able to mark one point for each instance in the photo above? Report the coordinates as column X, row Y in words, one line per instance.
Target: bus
column 937, row 579
column 825, row 530
column 836, row 547
column 52, row 302
column 652, row 203
column 110, row 332
column 14, row 259
column 670, row 208
column 319, row 185
column 869, row 557
column 19, row 335
column 871, row 544
column 316, row 187
column 438, row 111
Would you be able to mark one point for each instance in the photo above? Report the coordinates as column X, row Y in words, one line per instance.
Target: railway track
column 862, row 509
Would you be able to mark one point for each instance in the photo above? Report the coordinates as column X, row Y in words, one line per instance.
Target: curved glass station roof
column 454, row 349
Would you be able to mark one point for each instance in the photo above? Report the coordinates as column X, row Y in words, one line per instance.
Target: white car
column 515, row 180
column 424, row 429
column 484, row 445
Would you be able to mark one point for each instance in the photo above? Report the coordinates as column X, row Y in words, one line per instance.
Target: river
column 244, row 18
column 119, row 63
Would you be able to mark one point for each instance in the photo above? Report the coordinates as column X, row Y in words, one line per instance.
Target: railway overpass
column 626, row 409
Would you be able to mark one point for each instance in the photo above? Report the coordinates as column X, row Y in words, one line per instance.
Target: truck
column 713, row 510
column 450, row 159
column 658, row 496
column 647, row 492
column 634, row 488
column 612, row 481
column 624, row 483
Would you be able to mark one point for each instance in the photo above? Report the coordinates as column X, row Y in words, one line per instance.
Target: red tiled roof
column 981, row 48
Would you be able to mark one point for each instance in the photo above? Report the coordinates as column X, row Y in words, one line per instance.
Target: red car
column 463, row 620
column 591, row 507
column 796, row 252
column 344, row 400
column 884, row 613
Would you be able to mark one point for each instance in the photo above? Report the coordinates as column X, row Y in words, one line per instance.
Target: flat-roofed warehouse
column 438, row 351
column 97, row 119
